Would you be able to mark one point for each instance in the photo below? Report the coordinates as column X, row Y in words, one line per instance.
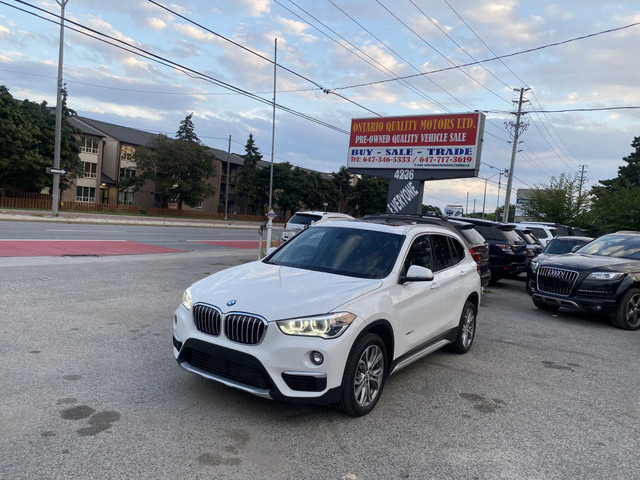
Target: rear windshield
column 472, row 236
column 304, row 218
column 512, row 236
column 527, row 238
column 539, row 232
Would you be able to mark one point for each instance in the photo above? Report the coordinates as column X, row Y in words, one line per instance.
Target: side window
column 442, row 257
column 419, row 254
column 457, row 250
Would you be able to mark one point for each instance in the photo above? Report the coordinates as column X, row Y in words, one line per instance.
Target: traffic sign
column 56, row 171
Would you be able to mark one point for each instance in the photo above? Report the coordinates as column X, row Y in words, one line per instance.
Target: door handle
column 435, row 285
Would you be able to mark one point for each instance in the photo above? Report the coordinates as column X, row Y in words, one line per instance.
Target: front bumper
column 278, row 368
column 591, row 305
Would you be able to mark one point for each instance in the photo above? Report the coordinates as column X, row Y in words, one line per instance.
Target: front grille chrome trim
column 558, row 281
column 245, row 328
column 206, row 319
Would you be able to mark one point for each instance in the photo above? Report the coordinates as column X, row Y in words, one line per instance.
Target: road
column 49, row 237
column 90, row 388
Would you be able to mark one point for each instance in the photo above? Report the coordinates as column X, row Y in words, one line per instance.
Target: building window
column 126, row 197
column 88, row 144
column 126, row 152
column 85, row 194
column 90, row 170
column 127, row 173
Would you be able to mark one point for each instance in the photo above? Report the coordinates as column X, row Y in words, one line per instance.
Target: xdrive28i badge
column 231, row 303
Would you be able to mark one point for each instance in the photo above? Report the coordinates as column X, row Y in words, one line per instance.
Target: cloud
column 156, row 23
column 4, row 31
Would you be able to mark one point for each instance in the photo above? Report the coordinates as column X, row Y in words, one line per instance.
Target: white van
column 543, row 231
column 302, row 220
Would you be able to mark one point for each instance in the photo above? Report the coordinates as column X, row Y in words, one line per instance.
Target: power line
column 437, row 51
column 173, row 65
column 325, row 90
column 508, row 55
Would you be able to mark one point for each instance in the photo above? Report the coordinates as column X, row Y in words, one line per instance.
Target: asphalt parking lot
column 90, row 389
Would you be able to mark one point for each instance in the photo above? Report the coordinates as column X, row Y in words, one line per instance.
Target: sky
column 147, row 64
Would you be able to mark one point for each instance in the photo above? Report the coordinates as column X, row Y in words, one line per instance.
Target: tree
column 560, row 202
column 342, row 181
column 27, row 137
column 186, row 132
column 370, row 195
column 431, row 209
column 497, row 216
column 248, row 189
column 616, row 202
column 179, row 168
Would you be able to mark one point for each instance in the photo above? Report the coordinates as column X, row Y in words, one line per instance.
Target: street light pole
column 58, row 132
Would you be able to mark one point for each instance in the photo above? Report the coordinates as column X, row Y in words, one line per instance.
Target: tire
column 364, row 376
column 627, row 314
column 466, row 329
column 545, row 306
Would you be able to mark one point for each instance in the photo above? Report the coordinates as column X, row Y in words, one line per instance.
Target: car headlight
column 534, row 266
column 187, row 300
column 324, row 326
column 606, row 275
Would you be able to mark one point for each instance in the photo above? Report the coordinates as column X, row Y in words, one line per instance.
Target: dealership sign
column 426, row 142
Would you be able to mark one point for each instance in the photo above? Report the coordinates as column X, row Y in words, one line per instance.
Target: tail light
column 505, row 248
column 475, row 254
column 531, row 252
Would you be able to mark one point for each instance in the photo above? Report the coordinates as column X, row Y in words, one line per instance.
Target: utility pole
column 270, row 213
column 226, row 190
column 579, row 199
column 499, row 184
column 516, row 133
column 55, row 194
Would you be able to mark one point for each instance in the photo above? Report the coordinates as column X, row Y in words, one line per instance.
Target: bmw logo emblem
column 231, row 303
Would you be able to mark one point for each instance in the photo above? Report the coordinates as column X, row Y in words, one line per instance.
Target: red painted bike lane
column 61, row 248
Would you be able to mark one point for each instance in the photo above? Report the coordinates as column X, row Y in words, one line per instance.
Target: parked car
column 534, row 246
column 507, row 251
column 477, row 245
column 301, row 220
column 601, row 277
column 557, row 246
column 327, row 316
column 544, row 232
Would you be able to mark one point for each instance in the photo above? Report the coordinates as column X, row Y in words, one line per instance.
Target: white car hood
column 277, row 292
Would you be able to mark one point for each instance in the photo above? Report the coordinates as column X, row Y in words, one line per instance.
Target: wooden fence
column 45, row 204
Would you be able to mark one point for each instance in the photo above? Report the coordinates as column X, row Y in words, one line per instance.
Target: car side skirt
column 423, row 350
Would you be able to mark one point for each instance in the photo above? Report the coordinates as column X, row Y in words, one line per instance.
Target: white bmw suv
column 330, row 314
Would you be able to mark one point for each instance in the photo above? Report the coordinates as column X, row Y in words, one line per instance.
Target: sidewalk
column 98, row 218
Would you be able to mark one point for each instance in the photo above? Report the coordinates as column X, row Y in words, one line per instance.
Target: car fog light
column 598, row 308
column 316, row 358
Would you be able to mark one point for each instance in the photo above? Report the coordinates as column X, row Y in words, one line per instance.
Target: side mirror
column 575, row 248
column 270, row 250
column 417, row 273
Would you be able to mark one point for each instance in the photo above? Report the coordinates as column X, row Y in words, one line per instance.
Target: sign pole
column 58, row 132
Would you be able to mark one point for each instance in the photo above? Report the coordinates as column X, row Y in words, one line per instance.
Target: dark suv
column 507, row 251
column 602, row 277
column 474, row 241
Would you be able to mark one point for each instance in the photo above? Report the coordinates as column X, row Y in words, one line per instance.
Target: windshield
column 619, row 246
column 560, row 246
column 304, row 218
column 344, row 251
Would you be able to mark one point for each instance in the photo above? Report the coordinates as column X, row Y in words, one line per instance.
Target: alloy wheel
column 369, row 375
column 633, row 311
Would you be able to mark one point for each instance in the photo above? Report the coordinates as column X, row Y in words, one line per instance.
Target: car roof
column 571, row 237
column 398, row 229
